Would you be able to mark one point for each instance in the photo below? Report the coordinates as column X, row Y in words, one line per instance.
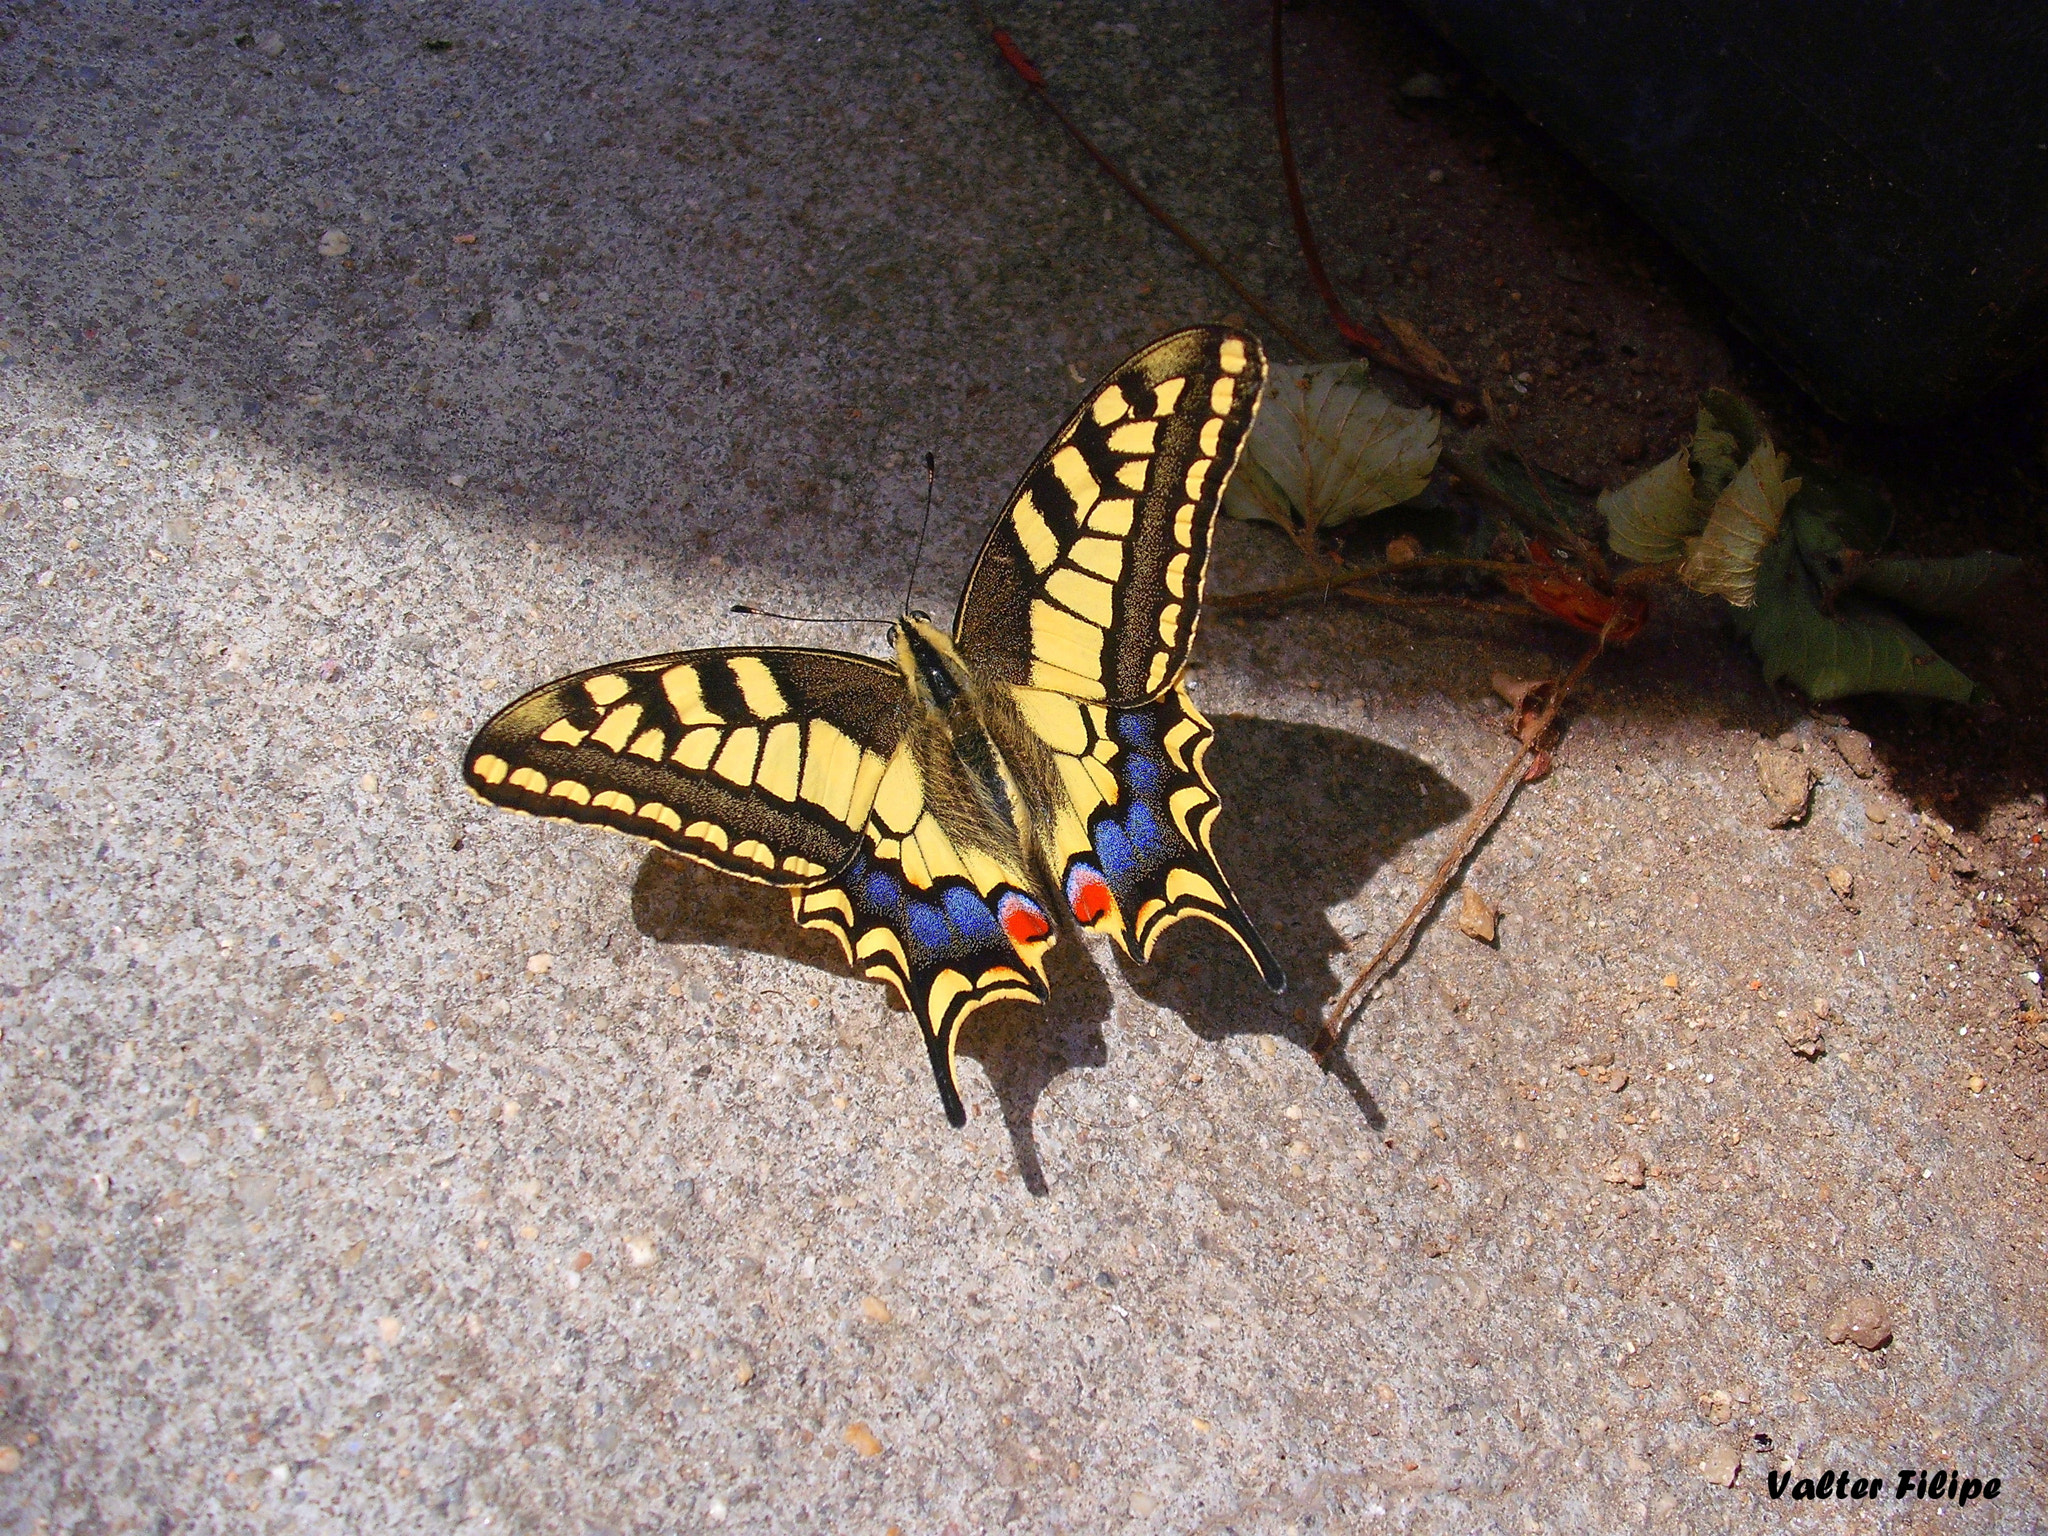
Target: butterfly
column 937, row 811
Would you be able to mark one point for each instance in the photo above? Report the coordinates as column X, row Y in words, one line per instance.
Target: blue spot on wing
column 970, row 914
column 1145, row 833
column 1133, row 728
column 1142, row 774
column 1114, row 849
column 882, row 891
column 928, row 926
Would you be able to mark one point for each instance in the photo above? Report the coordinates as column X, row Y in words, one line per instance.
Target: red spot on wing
column 1088, row 894
column 1022, row 920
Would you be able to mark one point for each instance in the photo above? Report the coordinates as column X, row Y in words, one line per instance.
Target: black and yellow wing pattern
column 951, row 926
column 936, row 845
column 762, row 763
column 1085, row 600
column 1090, row 583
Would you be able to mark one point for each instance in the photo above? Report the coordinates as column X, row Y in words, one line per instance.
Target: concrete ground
column 371, row 1160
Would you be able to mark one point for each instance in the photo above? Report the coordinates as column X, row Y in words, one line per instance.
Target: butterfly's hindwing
column 1090, row 583
column 1133, row 849
column 762, row 763
column 950, row 927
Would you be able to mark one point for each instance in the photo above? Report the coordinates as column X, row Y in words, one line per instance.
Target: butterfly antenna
column 931, row 479
column 803, row 618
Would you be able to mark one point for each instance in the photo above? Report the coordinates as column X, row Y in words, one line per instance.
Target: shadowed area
column 1349, row 805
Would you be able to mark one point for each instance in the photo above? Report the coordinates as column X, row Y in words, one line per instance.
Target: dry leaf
column 1745, row 519
column 1651, row 519
column 1421, row 352
column 1326, row 448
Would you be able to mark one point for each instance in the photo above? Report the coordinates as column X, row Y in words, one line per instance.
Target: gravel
column 256, row 1215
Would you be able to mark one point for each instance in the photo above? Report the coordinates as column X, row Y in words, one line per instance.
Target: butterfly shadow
column 1022, row 1049
column 1309, row 814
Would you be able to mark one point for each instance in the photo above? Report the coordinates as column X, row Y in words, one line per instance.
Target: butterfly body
column 936, row 815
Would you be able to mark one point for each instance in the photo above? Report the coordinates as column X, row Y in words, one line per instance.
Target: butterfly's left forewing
column 762, row 763
column 952, row 927
column 1090, row 583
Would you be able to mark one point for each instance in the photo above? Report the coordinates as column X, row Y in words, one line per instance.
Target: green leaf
column 1327, row 448
column 1744, row 522
column 1948, row 587
column 1853, row 505
column 1859, row 648
column 1650, row 519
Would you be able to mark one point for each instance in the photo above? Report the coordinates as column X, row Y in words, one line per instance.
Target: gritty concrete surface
column 374, row 1161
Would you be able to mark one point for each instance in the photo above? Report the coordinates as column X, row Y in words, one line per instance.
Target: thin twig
column 1311, row 257
column 1482, row 820
column 1028, row 72
column 1346, row 576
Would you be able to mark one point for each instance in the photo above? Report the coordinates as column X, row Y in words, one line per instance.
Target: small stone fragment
column 1626, row 1169
column 1425, row 87
column 1802, row 1031
column 1143, row 1504
column 1719, row 1406
column 269, row 44
column 10, row 1460
column 862, row 1439
column 1478, row 918
column 1786, row 779
column 1975, row 1082
column 1842, row 883
column 1855, row 749
column 743, row 1373
column 1862, row 1321
column 639, row 1250
column 1405, row 550
column 874, row 1309
column 540, row 965
column 328, row 670
column 320, row 1090
column 1721, row 1466
column 582, row 1261
column 335, row 243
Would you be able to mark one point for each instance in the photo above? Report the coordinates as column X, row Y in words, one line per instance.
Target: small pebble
column 1975, row 1083
column 743, row 1373
column 1855, row 749
column 335, row 243
column 1719, row 1406
column 369, row 782
column 1802, row 1031
column 269, row 44
column 1862, row 1321
column 1478, row 918
column 1435, row 178
column 540, row 965
column 1425, row 87
column 1627, row 1169
column 388, row 1329
column 1143, row 1504
column 874, row 1309
column 862, row 1439
column 1786, row 779
column 639, row 1251
column 582, row 1261
column 10, row 1460
column 328, row 671
column 1841, row 882
column 1721, row 1466
column 1405, row 550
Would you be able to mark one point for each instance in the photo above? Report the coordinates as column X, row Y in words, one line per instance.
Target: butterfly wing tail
column 947, row 948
